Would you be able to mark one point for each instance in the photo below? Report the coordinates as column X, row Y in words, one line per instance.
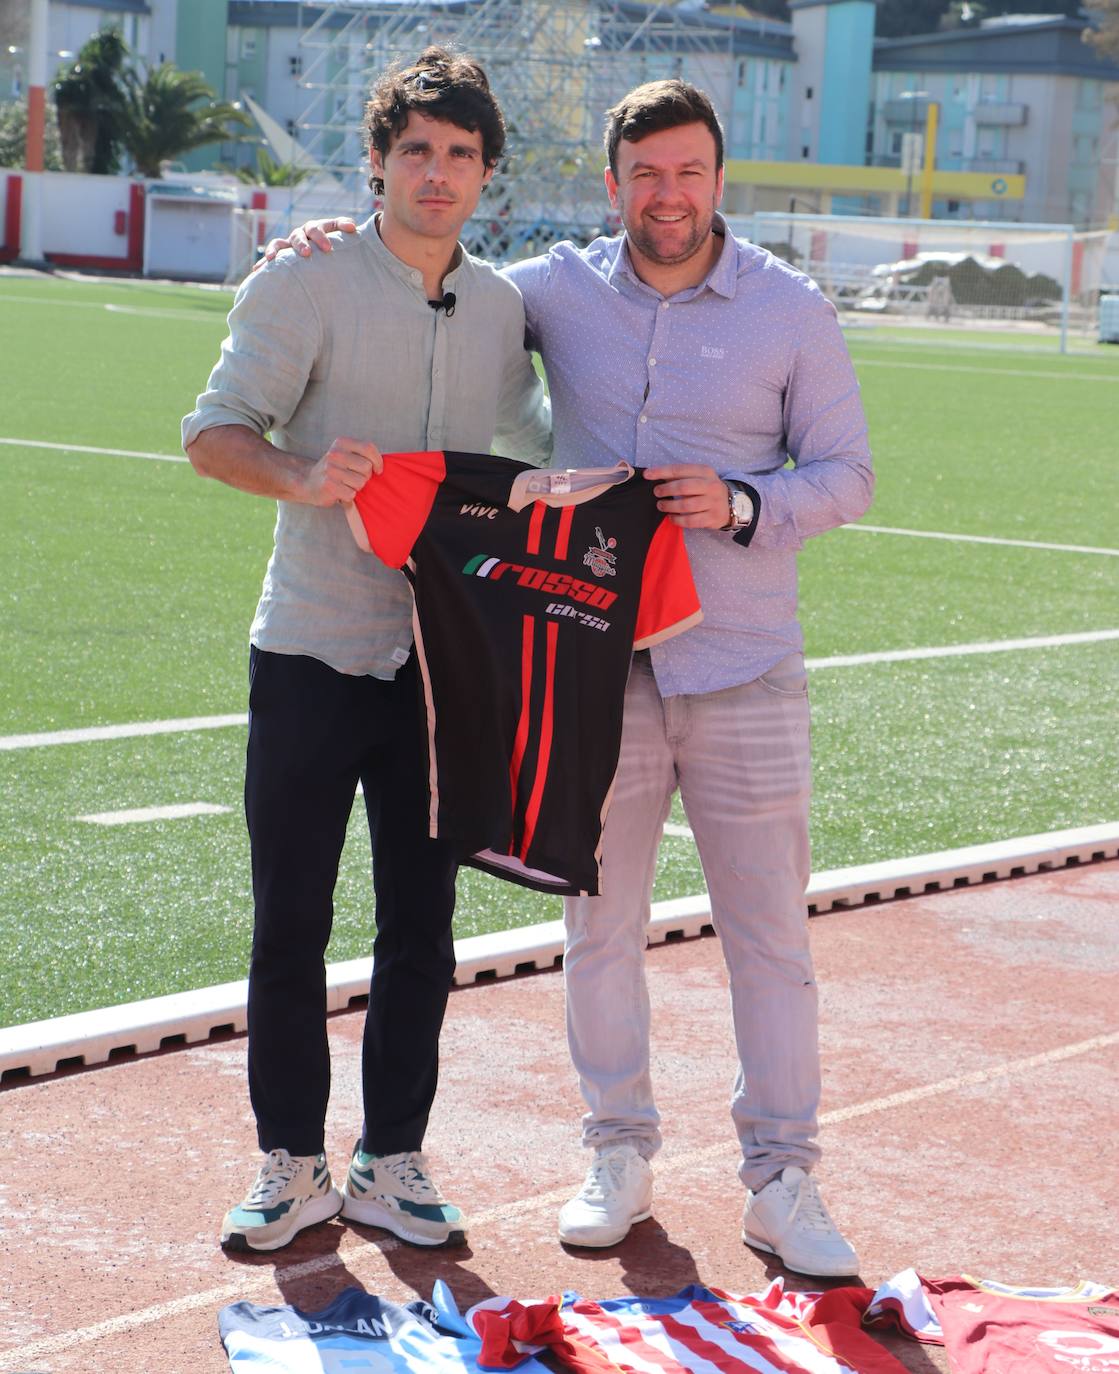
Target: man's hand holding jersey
column 341, row 472
column 692, row 495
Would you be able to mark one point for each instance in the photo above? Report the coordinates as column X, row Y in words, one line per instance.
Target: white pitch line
column 170, row 727
column 983, row 371
column 143, row 814
column 132, row 731
column 152, row 312
column 998, row 646
column 350, row 1253
column 105, row 452
column 982, row 539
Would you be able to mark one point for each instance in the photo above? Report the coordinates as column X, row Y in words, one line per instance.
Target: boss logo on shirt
column 707, row 351
column 540, row 580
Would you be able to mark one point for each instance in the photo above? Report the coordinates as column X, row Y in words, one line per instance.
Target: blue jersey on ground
column 357, row 1333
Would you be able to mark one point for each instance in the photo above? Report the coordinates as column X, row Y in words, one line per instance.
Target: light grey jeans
column 740, row 758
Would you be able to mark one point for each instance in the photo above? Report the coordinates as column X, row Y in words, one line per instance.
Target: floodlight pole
column 31, row 218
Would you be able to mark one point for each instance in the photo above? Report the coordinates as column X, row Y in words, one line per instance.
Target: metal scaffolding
column 555, row 65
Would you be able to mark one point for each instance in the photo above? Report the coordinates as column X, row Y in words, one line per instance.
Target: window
column 1088, row 94
column 292, row 128
column 808, row 92
column 248, row 47
column 295, row 62
column 805, row 151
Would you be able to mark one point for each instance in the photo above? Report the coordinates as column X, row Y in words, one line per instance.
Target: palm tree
column 269, row 172
column 89, row 97
column 171, row 112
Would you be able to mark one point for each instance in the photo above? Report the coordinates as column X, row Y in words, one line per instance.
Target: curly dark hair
column 440, row 84
column 655, row 106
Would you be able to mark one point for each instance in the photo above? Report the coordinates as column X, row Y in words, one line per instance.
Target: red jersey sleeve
column 669, row 600
column 389, row 512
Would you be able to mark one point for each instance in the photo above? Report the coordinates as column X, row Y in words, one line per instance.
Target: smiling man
column 400, row 335
column 722, row 372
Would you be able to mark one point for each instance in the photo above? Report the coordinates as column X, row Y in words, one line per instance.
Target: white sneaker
column 617, row 1191
column 397, row 1193
column 290, row 1193
column 788, row 1218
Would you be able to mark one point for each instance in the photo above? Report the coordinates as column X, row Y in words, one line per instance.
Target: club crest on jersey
column 601, row 560
column 740, row 1327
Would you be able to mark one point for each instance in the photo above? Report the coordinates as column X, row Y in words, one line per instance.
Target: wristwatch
column 740, row 507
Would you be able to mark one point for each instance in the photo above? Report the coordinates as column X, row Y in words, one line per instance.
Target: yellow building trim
column 842, row 180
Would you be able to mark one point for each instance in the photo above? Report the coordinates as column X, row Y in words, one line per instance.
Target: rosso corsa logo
column 539, row 580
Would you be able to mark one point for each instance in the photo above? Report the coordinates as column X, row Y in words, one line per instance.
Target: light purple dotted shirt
column 747, row 372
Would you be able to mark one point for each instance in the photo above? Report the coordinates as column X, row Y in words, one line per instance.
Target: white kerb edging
column 98, row 1037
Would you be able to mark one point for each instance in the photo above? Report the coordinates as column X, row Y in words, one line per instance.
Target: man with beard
column 723, row 372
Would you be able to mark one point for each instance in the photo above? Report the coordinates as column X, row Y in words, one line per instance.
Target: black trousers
column 313, row 733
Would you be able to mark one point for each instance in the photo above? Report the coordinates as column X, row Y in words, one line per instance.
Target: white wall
column 78, row 214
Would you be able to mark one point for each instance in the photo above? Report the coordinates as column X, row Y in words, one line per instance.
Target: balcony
column 911, row 113
column 1002, row 114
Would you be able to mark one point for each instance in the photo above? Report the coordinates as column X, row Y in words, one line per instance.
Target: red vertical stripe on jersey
column 535, row 525
column 563, row 534
column 520, row 739
column 544, row 749
column 592, row 1316
column 764, row 1345
column 732, row 1350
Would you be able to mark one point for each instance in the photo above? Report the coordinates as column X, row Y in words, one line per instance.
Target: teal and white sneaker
column 396, row 1193
column 291, row 1192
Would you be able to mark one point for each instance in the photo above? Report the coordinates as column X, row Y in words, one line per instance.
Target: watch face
column 743, row 508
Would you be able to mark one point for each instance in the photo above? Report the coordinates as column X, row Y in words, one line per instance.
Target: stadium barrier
column 86, row 1039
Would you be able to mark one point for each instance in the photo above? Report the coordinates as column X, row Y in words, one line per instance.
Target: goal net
column 1044, row 277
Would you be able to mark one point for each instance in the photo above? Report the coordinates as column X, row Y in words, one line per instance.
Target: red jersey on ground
column 991, row 1328
column 696, row 1331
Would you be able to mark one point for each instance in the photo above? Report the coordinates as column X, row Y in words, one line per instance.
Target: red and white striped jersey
column 698, row 1331
column 532, row 587
column 992, row 1328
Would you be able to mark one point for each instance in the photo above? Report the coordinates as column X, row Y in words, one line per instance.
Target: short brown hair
column 655, row 106
column 439, row 84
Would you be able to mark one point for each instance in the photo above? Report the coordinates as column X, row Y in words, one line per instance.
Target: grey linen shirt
column 747, row 372
column 345, row 344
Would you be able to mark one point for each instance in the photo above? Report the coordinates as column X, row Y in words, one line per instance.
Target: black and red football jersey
column 532, row 587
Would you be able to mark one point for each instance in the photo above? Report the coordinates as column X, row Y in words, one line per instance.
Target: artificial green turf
column 128, row 591
column 909, row 758
column 77, row 372
column 128, row 586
